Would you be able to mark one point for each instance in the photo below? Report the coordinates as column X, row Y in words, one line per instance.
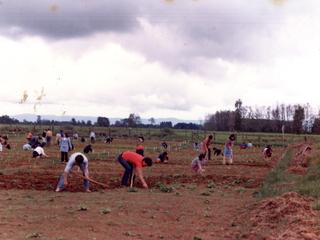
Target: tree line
column 288, row 118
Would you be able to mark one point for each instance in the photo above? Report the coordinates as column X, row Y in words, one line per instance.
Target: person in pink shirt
column 227, row 152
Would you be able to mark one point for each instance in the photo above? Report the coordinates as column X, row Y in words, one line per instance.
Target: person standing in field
column 227, row 152
column 48, row 137
column 140, row 147
column 65, row 147
column 76, row 159
column 205, row 148
column 133, row 162
column 92, row 136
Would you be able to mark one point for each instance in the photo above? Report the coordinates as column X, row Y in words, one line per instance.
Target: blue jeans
column 127, row 172
column 86, row 183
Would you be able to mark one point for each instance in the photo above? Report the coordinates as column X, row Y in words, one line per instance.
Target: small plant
column 106, row 211
column 82, row 208
column 33, row 235
column 205, row 194
column 129, row 234
column 132, row 189
column 163, row 188
column 211, row 185
column 207, row 214
column 197, row 238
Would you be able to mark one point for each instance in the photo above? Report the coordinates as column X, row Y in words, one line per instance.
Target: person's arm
column 44, row 154
column 140, row 175
column 86, row 172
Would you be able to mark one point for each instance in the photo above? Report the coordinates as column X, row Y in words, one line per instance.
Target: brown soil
column 207, row 207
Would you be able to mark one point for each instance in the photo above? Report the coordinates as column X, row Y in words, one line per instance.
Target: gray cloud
column 183, row 31
column 65, row 19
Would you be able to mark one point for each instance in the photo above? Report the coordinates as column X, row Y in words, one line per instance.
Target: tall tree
column 103, row 122
column 238, row 115
column 152, row 121
column 316, row 126
column 298, row 118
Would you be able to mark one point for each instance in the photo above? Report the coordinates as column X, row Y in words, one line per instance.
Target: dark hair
column 232, row 137
column 201, row 156
column 141, row 138
column 164, row 145
column 8, row 146
column 148, row 161
column 210, row 136
column 87, row 149
column 140, row 152
column 79, row 159
column 35, row 154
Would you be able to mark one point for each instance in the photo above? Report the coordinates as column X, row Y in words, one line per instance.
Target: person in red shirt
column 206, row 147
column 132, row 161
column 140, row 147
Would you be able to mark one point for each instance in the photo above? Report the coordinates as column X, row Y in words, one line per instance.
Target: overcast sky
column 159, row 58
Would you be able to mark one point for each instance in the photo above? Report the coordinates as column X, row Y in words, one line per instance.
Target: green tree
column 103, row 122
column 298, row 118
column 238, row 115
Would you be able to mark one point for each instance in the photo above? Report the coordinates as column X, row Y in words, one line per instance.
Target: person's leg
column 60, row 185
column 209, row 154
column 86, row 183
column 132, row 176
column 128, row 171
column 231, row 158
column 66, row 158
column 62, row 156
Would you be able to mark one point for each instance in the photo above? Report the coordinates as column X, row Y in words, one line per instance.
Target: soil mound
column 289, row 216
column 300, row 162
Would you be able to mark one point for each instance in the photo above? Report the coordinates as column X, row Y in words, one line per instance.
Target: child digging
column 227, row 152
column 196, row 164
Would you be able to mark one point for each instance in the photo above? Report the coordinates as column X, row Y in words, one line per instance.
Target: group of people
column 132, row 161
column 205, row 153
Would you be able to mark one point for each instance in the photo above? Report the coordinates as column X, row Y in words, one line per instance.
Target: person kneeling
column 163, row 158
column 196, row 164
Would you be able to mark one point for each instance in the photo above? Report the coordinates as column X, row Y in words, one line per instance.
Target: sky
column 161, row 58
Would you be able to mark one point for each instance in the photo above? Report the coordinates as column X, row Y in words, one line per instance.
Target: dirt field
column 178, row 205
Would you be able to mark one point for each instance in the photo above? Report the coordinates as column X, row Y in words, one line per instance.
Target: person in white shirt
column 197, row 164
column 38, row 152
column 92, row 136
column 76, row 159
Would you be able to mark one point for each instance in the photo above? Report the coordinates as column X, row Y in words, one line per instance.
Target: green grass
column 279, row 181
column 276, row 177
column 310, row 183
